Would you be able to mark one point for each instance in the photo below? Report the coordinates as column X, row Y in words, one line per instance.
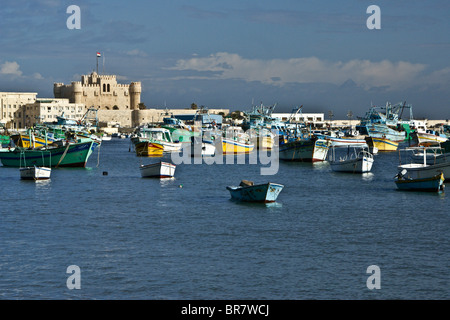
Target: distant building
column 47, row 110
column 12, row 108
column 316, row 119
column 101, row 92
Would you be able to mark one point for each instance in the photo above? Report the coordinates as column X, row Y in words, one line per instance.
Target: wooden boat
column 158, row 170
column 352, row 162
column 247, row 191
column 236, row 141
column 236, row 146
column 35, row 173
column 31, row 141
column 158, row 135
column 148, row 149
column 424, row 169
column 382, row 144
column 432, row 184
column 428, row 138
column 310, row 149
column 72, row 154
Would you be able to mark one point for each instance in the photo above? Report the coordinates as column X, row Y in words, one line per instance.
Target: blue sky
column 230, row 54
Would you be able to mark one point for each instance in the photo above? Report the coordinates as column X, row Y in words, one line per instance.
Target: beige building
column 12, row 108
column 47, row 110
column 101, row 92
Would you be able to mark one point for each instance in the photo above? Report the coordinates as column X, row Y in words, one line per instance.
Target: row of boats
column 58, row 146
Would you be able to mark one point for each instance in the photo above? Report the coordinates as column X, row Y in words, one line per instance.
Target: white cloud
column 11, row 68
column 278, row 72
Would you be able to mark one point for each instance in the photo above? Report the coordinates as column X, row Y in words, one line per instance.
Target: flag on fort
column 98, row 54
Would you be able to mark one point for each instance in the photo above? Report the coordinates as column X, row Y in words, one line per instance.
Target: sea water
column 184, row 238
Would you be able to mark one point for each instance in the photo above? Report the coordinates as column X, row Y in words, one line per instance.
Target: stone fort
column 101, row 92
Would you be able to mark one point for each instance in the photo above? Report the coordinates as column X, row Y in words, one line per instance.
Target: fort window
column 108, row 87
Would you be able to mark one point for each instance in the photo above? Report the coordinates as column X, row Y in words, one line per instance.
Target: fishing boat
column 247, row 191
column 307, row 149
column 62, row 154
column 158, row 170
column 236, row 141
column 381, row 144
column 35, row 173
column 428, row 137
column 432, row 184
column 424, row 169
column 148, row 149
column 386, row 122
column 354, row 162
column 157, row 135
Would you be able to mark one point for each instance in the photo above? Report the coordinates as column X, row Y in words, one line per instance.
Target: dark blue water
column 136, row 238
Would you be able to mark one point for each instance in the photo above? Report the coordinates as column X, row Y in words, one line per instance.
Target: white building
column 316, row 119
column 47, row 110
column 12, row 108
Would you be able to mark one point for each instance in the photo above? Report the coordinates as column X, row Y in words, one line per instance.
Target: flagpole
column 97, row 63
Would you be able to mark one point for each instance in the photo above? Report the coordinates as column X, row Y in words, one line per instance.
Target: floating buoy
column 181, row 186
column 105, row 173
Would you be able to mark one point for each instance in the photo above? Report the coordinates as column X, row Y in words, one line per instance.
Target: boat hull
column 235, row 147
column 73, row 155
column 308, row 150
column 358, row 165
column 262, row 193
column 35, row 173
column 158, row 170
column 421, row 171
column 432, row 184
column 382, row 144
column 148, row 149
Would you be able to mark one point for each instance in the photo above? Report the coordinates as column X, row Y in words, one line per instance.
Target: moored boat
column 159, row 169
column 381, row 144
column 352, row 162
column 310, row 149
column 432, row 184
column 148, row 149
column 424, row 169
column 72, row 154
column 35, row 173
column 247, row 191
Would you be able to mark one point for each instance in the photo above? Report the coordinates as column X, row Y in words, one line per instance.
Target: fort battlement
column 101, row 91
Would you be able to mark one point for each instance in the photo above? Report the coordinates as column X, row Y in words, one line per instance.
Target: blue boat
column 433, row 184
column 249, row 192
column 386, row 122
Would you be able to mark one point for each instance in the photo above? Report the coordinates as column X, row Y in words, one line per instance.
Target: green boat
column 73, row 154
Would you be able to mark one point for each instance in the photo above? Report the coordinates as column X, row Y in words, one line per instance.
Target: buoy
column 105, row 173
column 181, row 186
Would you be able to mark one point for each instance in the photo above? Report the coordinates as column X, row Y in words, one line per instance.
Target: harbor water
column 183, row 238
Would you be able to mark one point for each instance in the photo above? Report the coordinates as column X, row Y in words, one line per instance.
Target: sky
column 234, row 54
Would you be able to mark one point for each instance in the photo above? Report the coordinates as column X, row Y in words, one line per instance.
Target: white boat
column 355, row 162
column 158, row 170
column 424, row 169
column 106, row 138
column 428, row 137
column 200, row 147
column 35, row 173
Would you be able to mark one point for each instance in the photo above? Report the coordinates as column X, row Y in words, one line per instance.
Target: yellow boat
column 24, row 141
column 148, row 149
column 231, row 146
column 382, row 144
